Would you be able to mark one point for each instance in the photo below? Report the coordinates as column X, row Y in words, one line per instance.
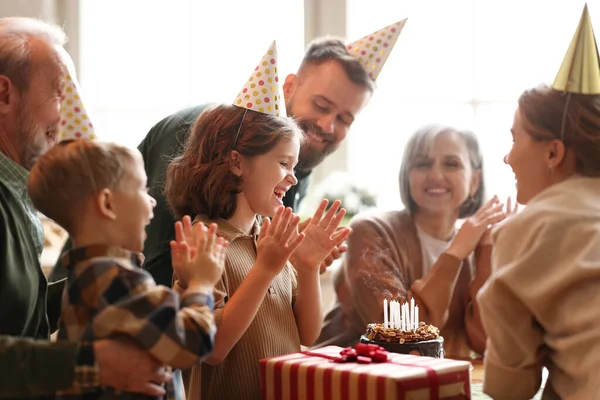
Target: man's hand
column 126, row 367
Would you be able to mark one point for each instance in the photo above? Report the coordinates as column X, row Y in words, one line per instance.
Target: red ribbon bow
column 363, row 354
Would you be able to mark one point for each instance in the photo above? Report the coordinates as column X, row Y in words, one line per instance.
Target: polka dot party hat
column 373, row 50
column 74, row 120
column 261, row 91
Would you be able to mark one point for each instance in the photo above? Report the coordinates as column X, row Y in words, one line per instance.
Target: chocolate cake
column 423, row 341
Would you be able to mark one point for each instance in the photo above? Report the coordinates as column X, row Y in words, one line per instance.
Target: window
column 142, row 60
column 463, row 63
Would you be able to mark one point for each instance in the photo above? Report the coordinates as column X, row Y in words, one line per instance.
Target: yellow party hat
column 580, row 69
column 372, row 51
column 261, row 91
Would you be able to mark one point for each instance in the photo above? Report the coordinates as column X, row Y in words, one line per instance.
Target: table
column 477, row 375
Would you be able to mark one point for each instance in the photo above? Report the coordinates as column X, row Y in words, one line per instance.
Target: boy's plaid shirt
column 109, row 295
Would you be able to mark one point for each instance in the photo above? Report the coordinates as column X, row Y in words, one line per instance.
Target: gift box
column 326, row 374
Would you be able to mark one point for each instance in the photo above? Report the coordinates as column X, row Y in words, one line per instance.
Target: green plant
column 354, row 198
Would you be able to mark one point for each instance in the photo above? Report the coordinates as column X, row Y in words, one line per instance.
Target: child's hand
column 278, row 239
column 335, row 254
column 185, row 232
column 200, row 263
column 322, row 236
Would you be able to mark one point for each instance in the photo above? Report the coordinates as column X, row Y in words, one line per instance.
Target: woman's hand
column 486, row 238
column 473, row 229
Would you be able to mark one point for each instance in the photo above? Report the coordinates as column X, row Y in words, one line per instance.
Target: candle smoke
column 379, row 273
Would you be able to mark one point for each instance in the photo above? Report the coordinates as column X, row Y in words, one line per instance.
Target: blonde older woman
column 417, row 251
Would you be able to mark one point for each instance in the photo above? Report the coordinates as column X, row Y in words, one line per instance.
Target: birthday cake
column 425, row 340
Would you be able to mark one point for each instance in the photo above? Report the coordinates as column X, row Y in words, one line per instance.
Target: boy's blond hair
column 73, row 171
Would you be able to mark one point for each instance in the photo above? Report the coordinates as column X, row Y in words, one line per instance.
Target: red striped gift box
column 312, row 375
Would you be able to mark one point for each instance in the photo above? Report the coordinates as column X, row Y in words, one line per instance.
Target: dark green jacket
column 30, row 368
column 27, row 368
column 23, row 286
column 162, row 143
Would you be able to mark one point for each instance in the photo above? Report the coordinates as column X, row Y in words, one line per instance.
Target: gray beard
column 33, row 141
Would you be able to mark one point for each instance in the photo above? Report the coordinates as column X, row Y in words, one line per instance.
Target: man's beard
column 310, row 155
column 33, row 139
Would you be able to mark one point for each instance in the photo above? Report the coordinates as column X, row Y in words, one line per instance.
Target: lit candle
column 403, row 324
column 403, row 317
column 398, row 314
column 397, row 325
column 417, row 316
column 385, row 313
column 412, row 312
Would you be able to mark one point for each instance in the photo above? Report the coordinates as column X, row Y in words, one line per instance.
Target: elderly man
column 32, row 76
column 331, row 87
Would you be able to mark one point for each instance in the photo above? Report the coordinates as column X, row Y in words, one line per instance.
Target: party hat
column 580, row 69
column 261, row 91
column 74, row 119
column 373, row 50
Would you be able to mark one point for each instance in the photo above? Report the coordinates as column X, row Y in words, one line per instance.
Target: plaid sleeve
column 87, row 372
column 86, row 377
column 126, row 301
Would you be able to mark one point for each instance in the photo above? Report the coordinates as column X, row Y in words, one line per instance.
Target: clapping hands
column 277, row 240
column 197, row 254
column 476, row 230
column 323, row 238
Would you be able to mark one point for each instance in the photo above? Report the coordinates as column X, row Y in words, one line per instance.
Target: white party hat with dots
column 261, row 91
column 74, row 120
column 372, row 51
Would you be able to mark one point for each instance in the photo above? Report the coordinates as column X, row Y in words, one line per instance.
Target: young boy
column 97, row 192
